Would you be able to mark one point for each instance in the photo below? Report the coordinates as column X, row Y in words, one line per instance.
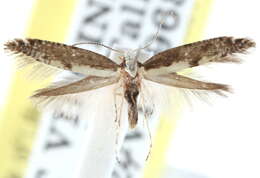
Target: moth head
column 131, row 59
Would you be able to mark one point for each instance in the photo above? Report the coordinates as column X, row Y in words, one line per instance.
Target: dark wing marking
column 61, row 56
column 220, row 49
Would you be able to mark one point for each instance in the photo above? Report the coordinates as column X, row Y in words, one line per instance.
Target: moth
column 99, row 71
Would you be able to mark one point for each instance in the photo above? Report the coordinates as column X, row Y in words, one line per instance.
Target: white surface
column 99, row 159
column 13, row 16
column 220, row 141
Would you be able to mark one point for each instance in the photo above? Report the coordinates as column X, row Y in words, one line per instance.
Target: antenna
column 155, row 36
column 98, row 44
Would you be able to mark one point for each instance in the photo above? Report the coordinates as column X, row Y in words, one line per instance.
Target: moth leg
column 142, row 97
column 118, row 126
column 117, row 118
column 116, row 93
column 149, row 133
column 146, row 109
column 115, row 103
column 150, row 137
column 181, row 81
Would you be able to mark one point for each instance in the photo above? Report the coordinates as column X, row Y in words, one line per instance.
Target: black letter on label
column 93, row 22
column 101, row 10
column 84, row 37
column 128, row 162
column 58, row 141
column 170, row 23
column 133, row 10
column 131, row 29
column 127, row 165
column 115, row 174
column 41, row 173
column 134, row 135
column 177, row 2
column 65, row 116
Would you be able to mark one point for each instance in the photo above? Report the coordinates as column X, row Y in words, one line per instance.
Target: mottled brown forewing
column 213, row 50
column 61, row 55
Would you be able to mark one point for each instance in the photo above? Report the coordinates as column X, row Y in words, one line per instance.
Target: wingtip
column 243, row 44
column 14, row 45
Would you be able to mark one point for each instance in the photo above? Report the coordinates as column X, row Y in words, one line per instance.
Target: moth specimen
column 100, row 71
